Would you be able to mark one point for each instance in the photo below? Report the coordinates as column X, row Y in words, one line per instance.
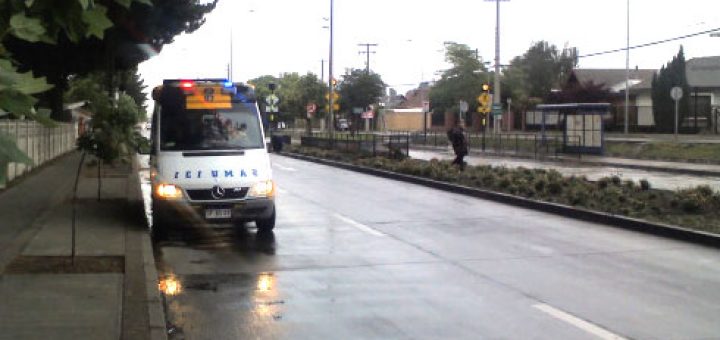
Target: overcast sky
column 276, row 36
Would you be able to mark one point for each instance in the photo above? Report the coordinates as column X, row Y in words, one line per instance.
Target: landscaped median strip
column 655, row 228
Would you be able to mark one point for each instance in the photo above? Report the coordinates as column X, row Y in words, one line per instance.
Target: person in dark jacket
column 456, row 135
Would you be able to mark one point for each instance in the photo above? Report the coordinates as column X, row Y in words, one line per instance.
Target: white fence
column 40, row 143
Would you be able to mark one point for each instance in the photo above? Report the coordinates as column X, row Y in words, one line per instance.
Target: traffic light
column 333, row 81
column 486, row 87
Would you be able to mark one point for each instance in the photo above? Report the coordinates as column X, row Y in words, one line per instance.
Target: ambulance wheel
column 159, row 230
column 265, row 225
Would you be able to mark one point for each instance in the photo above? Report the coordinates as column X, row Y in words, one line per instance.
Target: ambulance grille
column 207, row 194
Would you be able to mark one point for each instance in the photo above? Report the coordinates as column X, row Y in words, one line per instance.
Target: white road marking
column 358, row 225
column 282, row 191
column 577, row 322
column 285, row 168
column 542, row 250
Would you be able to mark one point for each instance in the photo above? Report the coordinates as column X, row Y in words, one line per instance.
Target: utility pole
column 230, row 65
column 367, row 53
column 496, row 82
column 331, row 127
column 627, row 70
column 322, row 70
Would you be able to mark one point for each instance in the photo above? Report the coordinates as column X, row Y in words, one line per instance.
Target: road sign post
column 426, row 110
column 497, row 116
column 463, row 109
column 676, row 94
column 311, row 109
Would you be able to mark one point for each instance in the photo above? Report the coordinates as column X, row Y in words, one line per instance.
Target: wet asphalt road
column 359, row 257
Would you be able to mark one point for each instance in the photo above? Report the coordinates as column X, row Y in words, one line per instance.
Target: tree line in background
column 671, row 75
column 356, row 89
column 527, row 80
column 95, row 45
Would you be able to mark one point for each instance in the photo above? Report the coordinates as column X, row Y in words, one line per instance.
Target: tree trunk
column 55, row 98
column 99, row 165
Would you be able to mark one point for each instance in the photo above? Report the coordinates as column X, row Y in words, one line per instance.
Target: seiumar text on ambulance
column 242, row 173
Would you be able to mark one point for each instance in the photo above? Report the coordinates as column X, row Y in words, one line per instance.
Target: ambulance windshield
column 236, row 128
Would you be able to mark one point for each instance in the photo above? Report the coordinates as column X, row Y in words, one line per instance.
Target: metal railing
column 40, row 143
column 370, row 143
column 504, row 144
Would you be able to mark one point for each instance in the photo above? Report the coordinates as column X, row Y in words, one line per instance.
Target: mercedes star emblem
column 218, row 192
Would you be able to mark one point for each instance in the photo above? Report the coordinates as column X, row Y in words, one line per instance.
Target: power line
column 367, row 51
column 649, row 44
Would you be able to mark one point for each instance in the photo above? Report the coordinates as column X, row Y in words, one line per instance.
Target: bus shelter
column 582, row 125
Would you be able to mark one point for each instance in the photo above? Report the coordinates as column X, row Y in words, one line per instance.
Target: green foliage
column 360, row 89
column 97, row 21
column 532, row 76
column 90, row 35
column 131, row 84
column 9, row 152
column 698, row 200
column 262, row 89
column 462, row 81
column 113, row 135
column 293, row 90
column 670, row 75
column 25, row 28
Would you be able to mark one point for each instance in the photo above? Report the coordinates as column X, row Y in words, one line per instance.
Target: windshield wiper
column 213, row 153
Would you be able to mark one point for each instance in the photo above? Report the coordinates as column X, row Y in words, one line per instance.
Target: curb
column 156, row 313
column 658, row 229
column 156, row 327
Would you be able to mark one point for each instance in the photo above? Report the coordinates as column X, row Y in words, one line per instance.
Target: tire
column 265, row 225
column 159, row 231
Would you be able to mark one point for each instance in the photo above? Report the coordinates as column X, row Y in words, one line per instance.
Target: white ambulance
column 209, row 161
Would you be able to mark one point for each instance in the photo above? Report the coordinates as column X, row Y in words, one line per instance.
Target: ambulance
column 209, row 162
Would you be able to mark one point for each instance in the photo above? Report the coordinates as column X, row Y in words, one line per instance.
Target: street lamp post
column 496, row 81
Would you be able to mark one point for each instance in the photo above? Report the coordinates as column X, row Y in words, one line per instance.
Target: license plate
column 218, row 213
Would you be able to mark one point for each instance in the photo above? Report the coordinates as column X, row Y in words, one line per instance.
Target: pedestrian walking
column 456, row 135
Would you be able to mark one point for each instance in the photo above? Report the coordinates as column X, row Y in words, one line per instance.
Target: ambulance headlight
column 168, row 191
column 262, row 189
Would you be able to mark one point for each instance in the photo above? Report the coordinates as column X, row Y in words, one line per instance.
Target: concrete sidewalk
column 109, row 291
column 591, row 160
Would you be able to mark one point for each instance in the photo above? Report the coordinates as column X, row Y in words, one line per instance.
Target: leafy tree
column 462, row 81
column 293, row 90
column 670, row 75
column 532, row 76
column 113, row 133
column 131, row 84
column 313, row 90
column 290, row 94
column 262, row 88
column 34, row 23
column 360, row 89
column 117, row 35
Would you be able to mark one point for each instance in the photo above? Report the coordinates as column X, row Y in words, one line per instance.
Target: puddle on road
column 190, row 300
